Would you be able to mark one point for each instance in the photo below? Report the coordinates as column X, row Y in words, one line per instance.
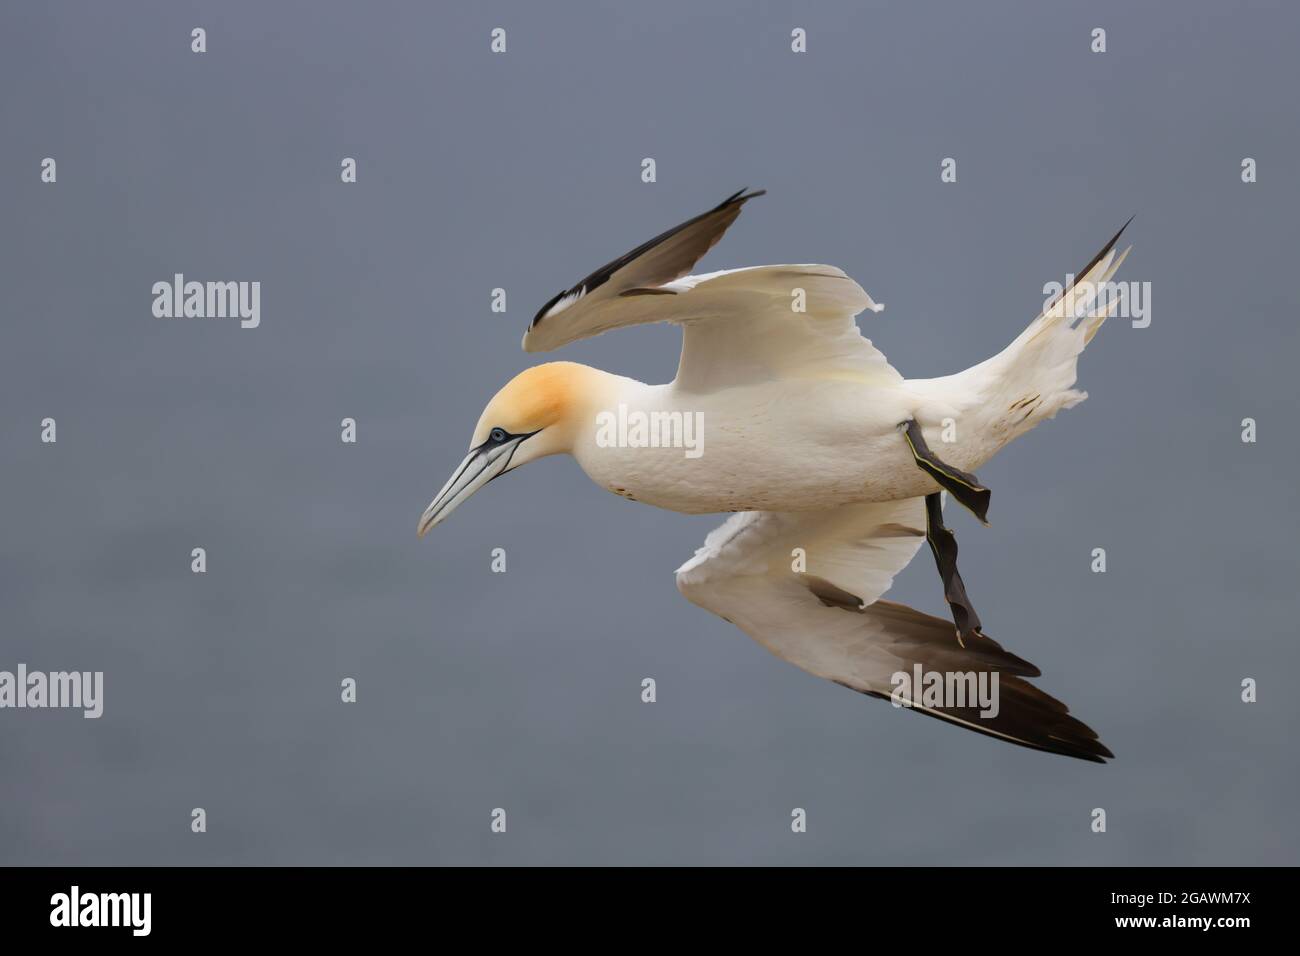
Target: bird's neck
column 588, row 392
column 597, row 391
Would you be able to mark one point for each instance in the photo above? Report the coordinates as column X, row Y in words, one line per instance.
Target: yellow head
column 536, row 414
column 533, row 400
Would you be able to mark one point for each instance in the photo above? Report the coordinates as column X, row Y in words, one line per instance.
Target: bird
column 785, row 416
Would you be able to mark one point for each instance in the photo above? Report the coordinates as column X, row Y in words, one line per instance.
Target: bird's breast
column 787, row 449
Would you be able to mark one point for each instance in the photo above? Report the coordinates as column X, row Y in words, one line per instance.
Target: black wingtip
column 740, row 196
column 729, row 208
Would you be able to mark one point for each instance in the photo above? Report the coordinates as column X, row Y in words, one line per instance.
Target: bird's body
column 782, row 412
column 755, row 443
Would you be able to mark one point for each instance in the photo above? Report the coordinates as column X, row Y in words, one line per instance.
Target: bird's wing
column 740, row 326
column 826, row 616
column 771, row 323
column 622, row 292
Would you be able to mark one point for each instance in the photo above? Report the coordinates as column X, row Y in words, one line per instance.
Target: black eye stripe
column 499, row 436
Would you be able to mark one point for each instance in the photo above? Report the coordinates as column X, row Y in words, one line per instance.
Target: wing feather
column 668, row 256
column 740, row 326
column 829, row 620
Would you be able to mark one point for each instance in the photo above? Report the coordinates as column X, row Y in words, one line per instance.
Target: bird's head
column 536, row 414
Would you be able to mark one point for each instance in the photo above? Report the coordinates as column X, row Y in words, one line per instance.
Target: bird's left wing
column 622, row 292
column 740, row 326
column 807, row 587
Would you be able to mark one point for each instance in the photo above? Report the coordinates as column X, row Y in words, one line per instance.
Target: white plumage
column 801, row 419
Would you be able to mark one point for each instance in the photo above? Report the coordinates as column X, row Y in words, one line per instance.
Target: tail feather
column 1080, row 299
column 1032, row 378
column 1036, row 372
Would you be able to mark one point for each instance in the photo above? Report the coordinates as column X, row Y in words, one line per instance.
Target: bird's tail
column 1032, row 378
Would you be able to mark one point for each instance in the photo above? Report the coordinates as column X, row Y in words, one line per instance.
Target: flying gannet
column 821, row 448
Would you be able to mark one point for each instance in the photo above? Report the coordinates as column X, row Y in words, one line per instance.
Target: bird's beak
column 481, row 465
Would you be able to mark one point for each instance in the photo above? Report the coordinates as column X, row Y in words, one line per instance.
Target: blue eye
column 498, row 435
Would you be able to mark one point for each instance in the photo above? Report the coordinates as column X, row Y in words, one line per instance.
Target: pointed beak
column 482, row 464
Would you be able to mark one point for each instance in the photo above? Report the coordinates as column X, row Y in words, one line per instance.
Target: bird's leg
column 943, row 544
column 966, row 489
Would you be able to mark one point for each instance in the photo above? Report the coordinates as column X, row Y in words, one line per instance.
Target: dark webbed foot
column 967, row 489
column 944, row 546
column 964, row 487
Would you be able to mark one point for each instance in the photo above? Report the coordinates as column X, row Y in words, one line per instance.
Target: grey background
column 521, row 690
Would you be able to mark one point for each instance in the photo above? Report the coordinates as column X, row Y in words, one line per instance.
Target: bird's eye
column 498, row 435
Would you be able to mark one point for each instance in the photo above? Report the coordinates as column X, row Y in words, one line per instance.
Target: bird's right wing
column 807, row 587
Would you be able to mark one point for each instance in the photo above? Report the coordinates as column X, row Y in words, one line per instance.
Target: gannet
column 821, row 449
